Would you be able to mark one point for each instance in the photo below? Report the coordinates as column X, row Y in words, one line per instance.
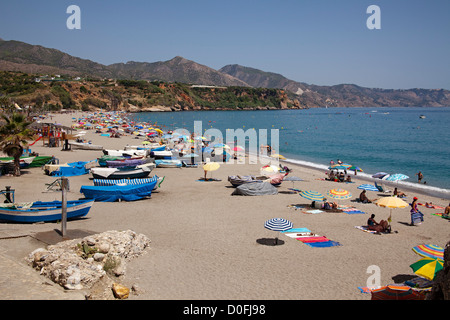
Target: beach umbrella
column 393, row 292
column 427, row 267
column 277, row 156
column 355, row 168
column 391, row 203
column 312, row 195
column 278, row 224
column 293, row 179
column 396, row 177
column 429, row 251
column 380, row 175
column 342, row 166
column 339, row 194
column 269, row 169
column 238, row 148
column 368, row 187
column 220, row 145
column 210, row 166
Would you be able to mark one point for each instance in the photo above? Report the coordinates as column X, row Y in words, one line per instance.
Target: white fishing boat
column 85, row 146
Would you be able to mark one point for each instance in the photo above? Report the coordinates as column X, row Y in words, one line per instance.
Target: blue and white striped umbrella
column 396, row 177
column 312, row 195
column 368, row 187
column 278, row 224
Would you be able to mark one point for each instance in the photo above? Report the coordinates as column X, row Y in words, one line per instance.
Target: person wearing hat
column 415, row 211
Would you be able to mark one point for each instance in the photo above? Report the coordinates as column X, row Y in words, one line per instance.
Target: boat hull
column 168, row 163
column 120, row 174
column 118, row 192
column 46, row 211
column 85, row 146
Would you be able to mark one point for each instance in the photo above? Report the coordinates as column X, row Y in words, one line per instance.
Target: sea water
column 392, row 140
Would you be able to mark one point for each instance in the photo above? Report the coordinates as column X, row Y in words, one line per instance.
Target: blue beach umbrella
column 396, row 177
column 368, row 187
column 278, row 224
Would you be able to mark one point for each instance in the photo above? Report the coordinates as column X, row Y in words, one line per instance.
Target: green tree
column 14, row 135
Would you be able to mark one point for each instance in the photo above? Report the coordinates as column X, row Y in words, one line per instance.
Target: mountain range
column 35, row 59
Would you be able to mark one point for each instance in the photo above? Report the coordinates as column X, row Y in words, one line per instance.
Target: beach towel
column 368, row 289
column 325, row 244
column 296, row 206
column 313, row 211
column 441, row 214
column 353, row 211
column 295, row 235
column 365, row 229
column 313, row 239
column 298, row 230
column 431, row 206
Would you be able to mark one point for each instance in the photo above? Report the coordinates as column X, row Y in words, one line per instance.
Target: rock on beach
column 81, row 263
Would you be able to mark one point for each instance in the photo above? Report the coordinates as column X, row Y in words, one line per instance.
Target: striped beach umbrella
column 311, row 195
column 368, row 187
column 343, row 166
column 278, row 224
column 427, row 267
column 429, row 251
column 339, row 194
column 355, row 168
column 393, row 292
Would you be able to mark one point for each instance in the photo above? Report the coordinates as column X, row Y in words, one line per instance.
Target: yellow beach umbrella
column 427, row 267
column 279, row 156
column 210, row 166
column 391, row 203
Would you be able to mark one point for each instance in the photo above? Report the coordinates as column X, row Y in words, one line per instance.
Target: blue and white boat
column 168, row 163
column 112, row 193
column 39, row 211
column 112, row 182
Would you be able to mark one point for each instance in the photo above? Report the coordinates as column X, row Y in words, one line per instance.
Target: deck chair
column 381, row 187
column 188, row 165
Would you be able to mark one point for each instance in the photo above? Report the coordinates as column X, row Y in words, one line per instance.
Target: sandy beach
column 208, row 244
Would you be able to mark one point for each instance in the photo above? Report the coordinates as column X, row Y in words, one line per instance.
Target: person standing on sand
column 419, row 176
column 415, row 211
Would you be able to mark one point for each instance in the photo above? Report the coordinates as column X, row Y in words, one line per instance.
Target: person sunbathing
column 399, row 194
column 383, row 226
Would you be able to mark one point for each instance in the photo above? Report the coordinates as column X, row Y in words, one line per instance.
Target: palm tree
column 14, row 134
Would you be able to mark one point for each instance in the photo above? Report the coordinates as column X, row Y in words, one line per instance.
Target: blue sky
column 323, row 42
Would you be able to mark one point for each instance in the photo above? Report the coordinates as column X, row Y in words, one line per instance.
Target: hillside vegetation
column 135, row 95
